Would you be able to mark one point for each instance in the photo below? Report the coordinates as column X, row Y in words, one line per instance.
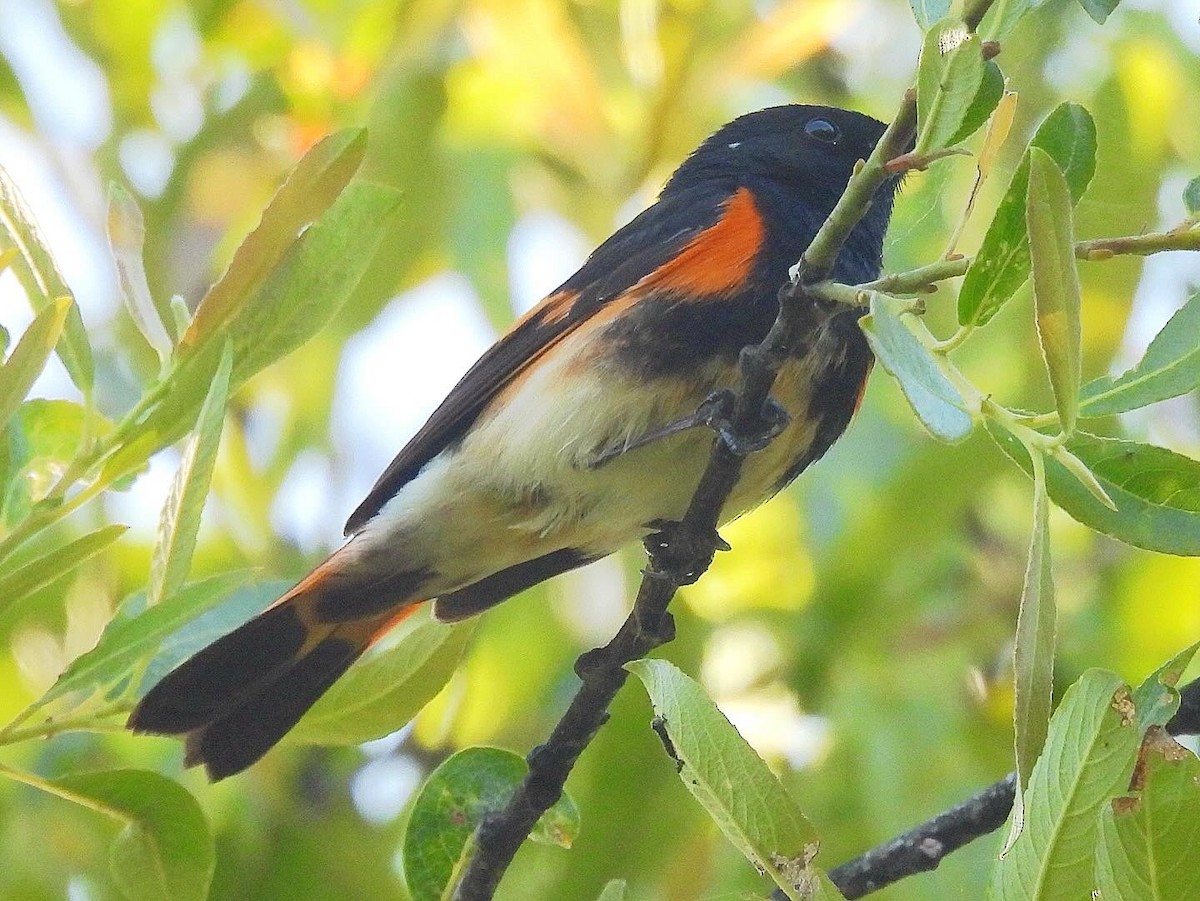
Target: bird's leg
column 714, row 413
column 714, row 409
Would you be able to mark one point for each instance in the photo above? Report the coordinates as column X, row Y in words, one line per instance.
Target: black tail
column 238, row 697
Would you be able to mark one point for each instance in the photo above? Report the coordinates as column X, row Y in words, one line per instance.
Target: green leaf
column 1001, row 267
column 19, row 583
column 1191, row 197
column 383, row 692
column 185, row 387
column 744, row 798
column 1003, row 17
column 928, row 12
column 7, row 256
column 1148, row 841
column 29, row 357
column 948, row 79
column 164, row 849
column 312, row 185
column 315, row 277
column 131, row 638
column 1156, row 699
column 57, row 429
column 1033, row 657
column 1157, row 492
column 935, row 400
column 39, row 276
column 126, row 239
column 217, row 616
column 1084, row 475
column 1171, row 367
column 179, row 523
column 986, row 99
column 452, row 802
column 1100, row 10
column 1055, row 282
column 1088, row 758
column 44, row 437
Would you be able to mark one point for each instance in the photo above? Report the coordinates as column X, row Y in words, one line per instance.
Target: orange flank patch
column 862, row 388
column 719, row 259
column 604, row 315
column 548, row 312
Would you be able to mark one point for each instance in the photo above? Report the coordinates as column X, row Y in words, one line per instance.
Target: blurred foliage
column 865, row 647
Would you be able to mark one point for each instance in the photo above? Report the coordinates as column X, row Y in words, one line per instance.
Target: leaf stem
column 50, row 727
column 53, row 788
column 948, row 344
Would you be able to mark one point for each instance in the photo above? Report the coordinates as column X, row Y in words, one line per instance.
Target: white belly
column 521, row 485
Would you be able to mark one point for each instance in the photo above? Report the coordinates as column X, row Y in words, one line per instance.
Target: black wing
column 637, row 250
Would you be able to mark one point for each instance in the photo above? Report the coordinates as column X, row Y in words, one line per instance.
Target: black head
column 807, row 150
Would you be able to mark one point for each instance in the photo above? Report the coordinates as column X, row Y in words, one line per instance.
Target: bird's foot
column 773, row 419
column 682, row 553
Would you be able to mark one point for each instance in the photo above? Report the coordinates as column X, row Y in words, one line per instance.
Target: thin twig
column 923, row 848
column 1138, row 245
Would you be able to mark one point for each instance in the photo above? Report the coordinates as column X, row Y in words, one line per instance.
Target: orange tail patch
column 239, row 696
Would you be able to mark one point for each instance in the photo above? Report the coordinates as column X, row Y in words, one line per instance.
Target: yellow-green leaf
column 741, row 794
column 19, row 583
column 314, row 278
column 383, row 692
column 1001, row 266
column 126, row 238
column 1171, row 367
column 457, row 796
column 179, row 523
column 1156, row 491
column 1055, row 281
column 38, row 274
column 934, row 398
column 311, row 187
column 1148, row 840
column 164, row 851
column 28, row 358
column 949, row 77
column 1088, row 757
column 1033, row 656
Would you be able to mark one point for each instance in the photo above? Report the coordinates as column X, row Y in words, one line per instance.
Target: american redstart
column 538, row 462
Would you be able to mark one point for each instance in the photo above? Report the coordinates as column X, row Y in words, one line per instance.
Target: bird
column 538, row 461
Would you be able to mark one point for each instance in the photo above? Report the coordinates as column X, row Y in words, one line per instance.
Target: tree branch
column 1139, row 245
column 681, row 552
column 924, row 847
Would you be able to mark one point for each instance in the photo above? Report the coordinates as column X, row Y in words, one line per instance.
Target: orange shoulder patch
column 719, row 259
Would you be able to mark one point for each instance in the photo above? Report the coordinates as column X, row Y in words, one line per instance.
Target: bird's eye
column 823, row 130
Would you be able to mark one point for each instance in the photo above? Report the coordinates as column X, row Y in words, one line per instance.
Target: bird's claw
column 774, row 419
